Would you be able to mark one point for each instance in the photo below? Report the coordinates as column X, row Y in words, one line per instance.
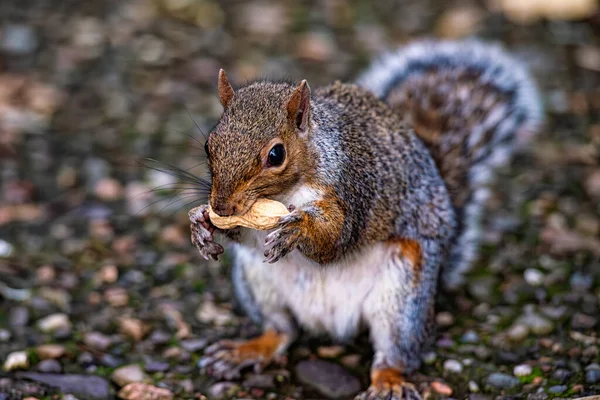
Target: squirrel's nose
column 225, row 210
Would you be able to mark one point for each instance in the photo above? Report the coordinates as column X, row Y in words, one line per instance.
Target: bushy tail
column 473, row 105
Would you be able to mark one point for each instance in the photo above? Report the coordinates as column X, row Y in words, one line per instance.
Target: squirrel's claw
column 202, row 233
column 284, row 239
column 404, row 391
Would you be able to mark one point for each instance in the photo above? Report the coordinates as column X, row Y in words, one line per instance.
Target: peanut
column 263, row 215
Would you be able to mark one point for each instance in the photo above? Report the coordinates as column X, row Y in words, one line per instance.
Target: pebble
column 444, row 319
column 561, row 375
column 473, row 387
column 193, row 345
column 49, row 366
column 453, row 366
column 533, row 276
column 108, row 274
column 261, row 381
column 116, row 296
column 50, row 351
column 16, row 360
column 351, row 360
column 97, row 340
column 429, row 358
column 592, row 376
column 128, row 374
column 499, row 380
column 54, row 322
column 522, row 370
column 18, row 39
column 330, row 351
column 160, row 337
column 583, row 321
column 132, row 328
column 156, row 366
column 330, row 379
column 6, row 249
column 441, row 388
column 221, row 389
column 144, row 391
column 518, row 332
column 470, row 337
column 557, row 389
column 108, row 189
column 82, row 386
column 4, row 335
column 536, row 323
column 210, row 313
column 19, row 316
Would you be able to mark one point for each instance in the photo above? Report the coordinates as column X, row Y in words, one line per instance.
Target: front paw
column 285, row 237
column 202, row 233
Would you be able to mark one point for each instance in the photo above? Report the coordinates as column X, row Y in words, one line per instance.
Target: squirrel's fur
column 378, row 211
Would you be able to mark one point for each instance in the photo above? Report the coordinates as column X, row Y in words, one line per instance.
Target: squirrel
column 386, row 180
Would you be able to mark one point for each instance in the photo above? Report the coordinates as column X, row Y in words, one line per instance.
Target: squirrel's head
column 258, row 149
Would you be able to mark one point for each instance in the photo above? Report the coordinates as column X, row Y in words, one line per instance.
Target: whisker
column 197, row 127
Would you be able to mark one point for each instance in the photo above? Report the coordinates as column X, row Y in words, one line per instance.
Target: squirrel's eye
column 276, row 155
column 206, row 148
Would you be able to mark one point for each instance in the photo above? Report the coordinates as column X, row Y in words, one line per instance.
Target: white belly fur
column 335, row 298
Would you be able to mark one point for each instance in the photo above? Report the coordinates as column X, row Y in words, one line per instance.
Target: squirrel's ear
column 225, row 89
column 298, row 106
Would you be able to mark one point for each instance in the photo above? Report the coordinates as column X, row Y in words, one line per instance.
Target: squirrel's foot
column 389, row 384
column 227, row 358
column 202, row 233
column 285, row 237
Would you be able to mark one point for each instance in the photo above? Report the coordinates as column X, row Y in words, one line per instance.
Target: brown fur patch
column 263, row 347
column 387, row 379
column 411, row 250
column 321, row 231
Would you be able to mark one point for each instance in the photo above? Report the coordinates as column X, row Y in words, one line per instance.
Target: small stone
column 97, row 340
column 194, row 345
column 473, row 387
column 128, row 374
column 330, row 351
column 470, row 337
column 144, row 391
column 16, row 360
column 156, row 366
column 209, row 312
column 518, row 332
column 328, row 378
column 592, row 376
column 159, row 337
column 109, row 189
column 580, row 282
column 316, row 46
column 116, row 296
column 522, row 370
column 18, row 39
column 54, row 322
column 561, row 375
column 4, row 335
column 429, row 358
column 49, row 366
column 351, row 360
column 592, row 184
column 441, row 388
column 583, row 321
column 557, row 389
column 221, row 389
column 6, row 249
column 50, row 351
column 536, row 323
column 261, row 381
column 82, row 386
column 444, row 319
column 459, row 22
column 133, row 328
column 110, row 361
column 150, row 49
column 499, row 380
column 533, row 276
column 45, row 274
column 453, row 366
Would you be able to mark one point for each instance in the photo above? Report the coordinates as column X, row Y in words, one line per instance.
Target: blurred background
column 95, row 257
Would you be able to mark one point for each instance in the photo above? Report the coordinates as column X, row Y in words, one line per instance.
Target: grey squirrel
column 386, row 180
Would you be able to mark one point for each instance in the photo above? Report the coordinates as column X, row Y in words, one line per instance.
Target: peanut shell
column 263, row 215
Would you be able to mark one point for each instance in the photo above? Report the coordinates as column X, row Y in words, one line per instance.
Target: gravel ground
column 101, row 293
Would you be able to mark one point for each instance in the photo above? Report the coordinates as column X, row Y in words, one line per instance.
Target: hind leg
column 399, row 314
column 227, row 358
